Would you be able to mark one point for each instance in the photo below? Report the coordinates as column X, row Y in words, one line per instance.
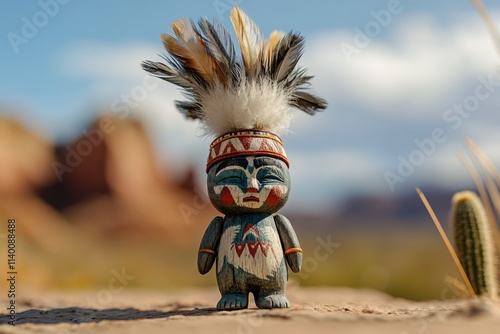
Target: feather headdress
column 228, row 93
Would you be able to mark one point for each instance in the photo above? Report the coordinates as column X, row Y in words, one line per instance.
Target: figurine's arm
column 209, row 245
column 290, row 243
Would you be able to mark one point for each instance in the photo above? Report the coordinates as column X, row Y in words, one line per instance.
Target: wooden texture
column 251, row 244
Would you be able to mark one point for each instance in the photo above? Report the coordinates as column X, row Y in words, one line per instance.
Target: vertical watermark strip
column 11, row 270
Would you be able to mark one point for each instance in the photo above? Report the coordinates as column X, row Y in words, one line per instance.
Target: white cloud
column 443, row 167
column 446, row 169
column 104, row 61
column 423, row 63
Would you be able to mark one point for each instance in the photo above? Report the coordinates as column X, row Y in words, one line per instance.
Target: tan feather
column 184, row 30
column 272, row 42
column 190, row 49
column 250, row 40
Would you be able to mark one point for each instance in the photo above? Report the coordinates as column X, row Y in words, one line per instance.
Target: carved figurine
column 244, row 103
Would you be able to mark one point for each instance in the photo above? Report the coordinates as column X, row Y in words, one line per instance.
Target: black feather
column 191, row 110
column 169, row 74
column 297, row 79
column 285, row 56
column 220, row 46
column 308, row 102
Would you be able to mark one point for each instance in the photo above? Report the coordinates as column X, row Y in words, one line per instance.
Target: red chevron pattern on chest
column 252, row 247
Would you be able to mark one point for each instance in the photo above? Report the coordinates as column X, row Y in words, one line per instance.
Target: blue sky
column 388, row 91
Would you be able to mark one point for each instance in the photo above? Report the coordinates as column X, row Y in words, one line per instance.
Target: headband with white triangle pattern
column 246, row 143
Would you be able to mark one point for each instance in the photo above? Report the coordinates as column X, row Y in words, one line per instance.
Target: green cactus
column 474, row 243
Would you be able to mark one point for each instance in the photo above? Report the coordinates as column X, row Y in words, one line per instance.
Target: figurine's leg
column 232, row 301
column 271, row 293
column 234, row 294
column 272, row 300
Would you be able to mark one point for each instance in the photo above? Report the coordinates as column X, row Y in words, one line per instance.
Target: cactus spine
column 474, row 243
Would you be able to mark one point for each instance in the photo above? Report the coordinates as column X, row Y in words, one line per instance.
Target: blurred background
column 103, row 175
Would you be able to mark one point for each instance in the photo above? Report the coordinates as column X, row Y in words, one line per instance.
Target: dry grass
column 487, row 180
column 447, row 242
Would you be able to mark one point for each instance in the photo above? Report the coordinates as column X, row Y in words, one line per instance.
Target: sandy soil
column 317, row 310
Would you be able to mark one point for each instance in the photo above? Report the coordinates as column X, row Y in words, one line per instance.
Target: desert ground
column 317, row 310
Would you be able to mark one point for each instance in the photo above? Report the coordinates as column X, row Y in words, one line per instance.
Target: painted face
column 249, row 184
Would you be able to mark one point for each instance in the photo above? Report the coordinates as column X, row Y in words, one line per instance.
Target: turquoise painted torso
column 251, row 242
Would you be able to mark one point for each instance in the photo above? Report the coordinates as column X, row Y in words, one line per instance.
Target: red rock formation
column 25, row 159
column 107, row 183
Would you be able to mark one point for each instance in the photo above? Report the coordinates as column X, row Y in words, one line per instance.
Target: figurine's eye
column 270, row 176
column 232, row 176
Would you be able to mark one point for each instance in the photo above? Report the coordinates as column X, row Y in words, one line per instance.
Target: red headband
column 245, row 143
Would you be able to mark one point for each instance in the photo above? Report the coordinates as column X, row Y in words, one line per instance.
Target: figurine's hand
column 209, row 244
column 205, row 262
column 294, row 261
column 290, row 243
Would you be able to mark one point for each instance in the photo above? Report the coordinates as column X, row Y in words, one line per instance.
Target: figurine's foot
column 232, row 302
column 272, row 301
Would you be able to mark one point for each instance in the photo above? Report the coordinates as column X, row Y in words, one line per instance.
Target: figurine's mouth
column 251, row 199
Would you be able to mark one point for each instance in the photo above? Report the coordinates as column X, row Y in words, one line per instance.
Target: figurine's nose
column 253, row 186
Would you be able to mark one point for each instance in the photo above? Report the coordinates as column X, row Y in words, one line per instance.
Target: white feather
column 260, row 105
